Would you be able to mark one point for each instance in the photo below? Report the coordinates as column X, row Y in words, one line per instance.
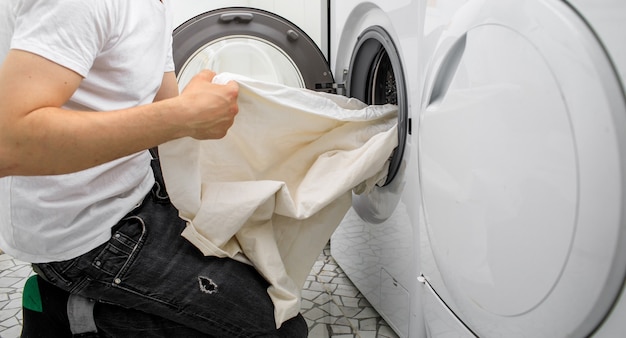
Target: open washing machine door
column 376, row 76
column 522, row 162
column 372, row 43
column 250, row 42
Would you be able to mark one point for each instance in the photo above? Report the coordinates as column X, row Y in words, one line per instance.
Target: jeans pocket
column 127, row 239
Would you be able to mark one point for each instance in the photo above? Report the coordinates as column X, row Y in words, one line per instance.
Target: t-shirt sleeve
column 67, row 32
column 169, row 61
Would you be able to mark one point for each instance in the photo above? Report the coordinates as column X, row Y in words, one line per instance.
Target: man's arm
column 37, row 137
column 169, row 87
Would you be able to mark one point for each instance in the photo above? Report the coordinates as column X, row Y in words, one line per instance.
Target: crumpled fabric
column 273, row 190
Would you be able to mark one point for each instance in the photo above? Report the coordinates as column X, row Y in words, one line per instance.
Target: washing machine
column 374, row 53
column 272, row 40
column 522, row 168
column 370, row 47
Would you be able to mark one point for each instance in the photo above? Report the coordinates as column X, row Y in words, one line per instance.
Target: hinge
column 329, row 87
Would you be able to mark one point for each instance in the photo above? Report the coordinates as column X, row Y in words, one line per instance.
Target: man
column 86, row 86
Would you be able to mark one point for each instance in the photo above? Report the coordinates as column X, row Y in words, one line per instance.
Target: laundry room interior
column 489, row 193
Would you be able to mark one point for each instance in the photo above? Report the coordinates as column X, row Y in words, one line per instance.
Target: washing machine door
column 523, row 171
column 376, row 76
column 250, row 42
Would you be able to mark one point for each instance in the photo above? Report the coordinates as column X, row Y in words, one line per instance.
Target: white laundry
column 273, row 190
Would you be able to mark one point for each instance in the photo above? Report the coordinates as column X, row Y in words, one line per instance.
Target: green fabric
column 31, row 298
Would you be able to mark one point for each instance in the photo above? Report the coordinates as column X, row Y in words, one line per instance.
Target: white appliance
column 522, row 168
column 372, row 47
column 374, row 53
column 273, row 40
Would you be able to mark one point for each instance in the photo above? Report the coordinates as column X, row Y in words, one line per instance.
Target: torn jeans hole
column 207, row 285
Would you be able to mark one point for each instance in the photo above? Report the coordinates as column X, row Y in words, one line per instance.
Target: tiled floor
column 13, row 275
column 332, row 306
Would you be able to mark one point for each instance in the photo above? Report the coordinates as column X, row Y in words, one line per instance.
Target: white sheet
column 274, row 189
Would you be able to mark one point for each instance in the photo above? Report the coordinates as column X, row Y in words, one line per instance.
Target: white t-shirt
column 121, row 48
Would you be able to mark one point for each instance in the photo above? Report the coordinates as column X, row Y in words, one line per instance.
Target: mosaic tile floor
column 331, row 305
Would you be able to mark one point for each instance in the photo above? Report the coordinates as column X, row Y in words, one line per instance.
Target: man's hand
column 208, row 110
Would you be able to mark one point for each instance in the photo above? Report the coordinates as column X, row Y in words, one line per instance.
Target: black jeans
column 148, row 267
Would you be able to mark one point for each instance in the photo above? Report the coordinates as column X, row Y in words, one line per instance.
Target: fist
column 209, row 109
